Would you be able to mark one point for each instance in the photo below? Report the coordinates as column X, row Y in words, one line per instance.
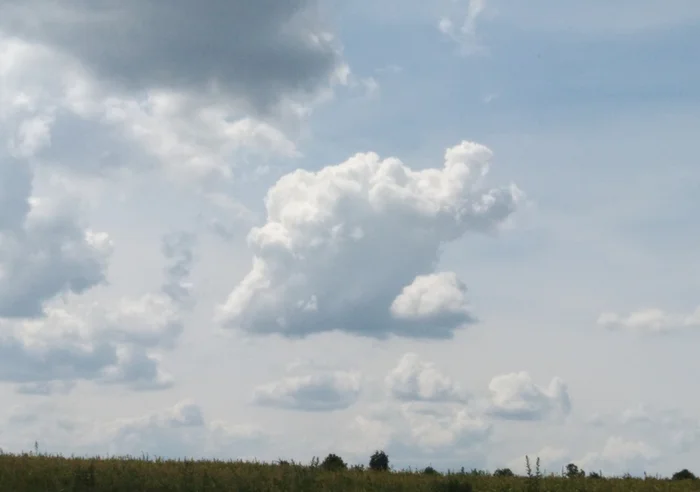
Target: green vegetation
column 42, row 473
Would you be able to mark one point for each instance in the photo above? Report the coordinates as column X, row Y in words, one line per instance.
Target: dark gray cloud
column 258, row 51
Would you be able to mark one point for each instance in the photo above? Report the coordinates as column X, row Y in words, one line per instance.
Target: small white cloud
column 316, row 393
column 415, row 380
column 515, row 396
column 650, row 321
column 438, row 299
column 461, row 26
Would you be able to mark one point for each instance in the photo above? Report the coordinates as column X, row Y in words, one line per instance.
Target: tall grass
column 43, row 473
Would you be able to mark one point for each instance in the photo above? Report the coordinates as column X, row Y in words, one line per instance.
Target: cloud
column 178, row 248
column 620, row 456
column 116, row 342
column 649, row 321
column 456, row 429
column 150, row 108
column 315, row 393
column 340, row 245
column 669, row 427
column 462, row 28
column 415, row 380
column 439, row 300
column 45, row 251
column 90, row 342
column 515, row 396
column 414, row 431
column 182, row 431
column 176, row 432
column 277, row 49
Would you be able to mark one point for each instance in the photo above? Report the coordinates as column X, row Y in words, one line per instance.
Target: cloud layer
column 277, row 49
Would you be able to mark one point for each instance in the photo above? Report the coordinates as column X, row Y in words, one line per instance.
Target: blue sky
column 220, row 267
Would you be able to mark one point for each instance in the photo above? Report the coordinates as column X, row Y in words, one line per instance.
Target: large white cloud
column 416, row 380
column 650, row 321
column 315, row 392
column 342, row 245
column 515, row 396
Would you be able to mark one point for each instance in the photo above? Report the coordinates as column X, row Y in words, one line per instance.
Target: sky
column 460, row 231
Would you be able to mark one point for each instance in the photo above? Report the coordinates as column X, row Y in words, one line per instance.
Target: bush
column 503, row 472
column 684, row 474
column 333, row 462
column 379, row 461
column 429, row 470
column 572, row 471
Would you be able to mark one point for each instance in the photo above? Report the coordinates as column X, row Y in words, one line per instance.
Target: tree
column 429, row 470
column 684, row 474
column 379, row 461
column 503, row 472
column 572, row 471
column 333, row 462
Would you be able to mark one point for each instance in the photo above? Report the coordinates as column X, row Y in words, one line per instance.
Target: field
column 41, row 473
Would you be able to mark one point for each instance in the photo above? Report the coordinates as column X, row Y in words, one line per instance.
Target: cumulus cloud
column 438, row 299
column 316, row 393
column 620, row 456
column 650, row 321
column 415, row 380
column 45, row 250
column 89, row 342
column 353, row 247
column 118, row 342
column 515, row 396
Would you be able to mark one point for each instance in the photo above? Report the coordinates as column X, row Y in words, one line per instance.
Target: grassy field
column 40, row 473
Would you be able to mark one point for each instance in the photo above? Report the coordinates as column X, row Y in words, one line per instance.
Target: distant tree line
column 379, row 461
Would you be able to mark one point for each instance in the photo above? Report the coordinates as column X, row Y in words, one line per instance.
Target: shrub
column 333, row 462
column 684, row 474
column 379, row 461
column 503, row 472
column 573, row 471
